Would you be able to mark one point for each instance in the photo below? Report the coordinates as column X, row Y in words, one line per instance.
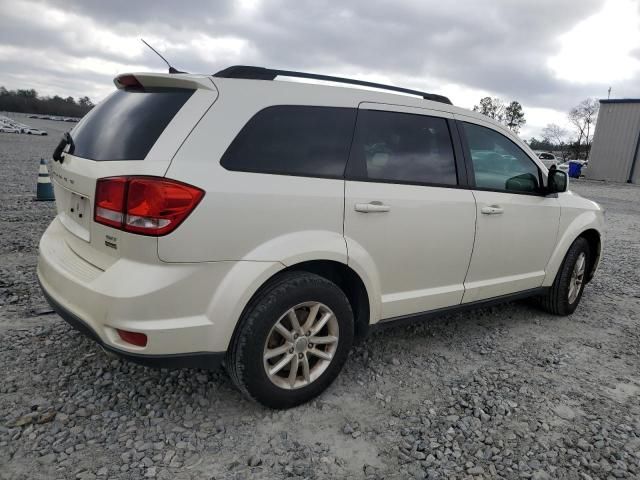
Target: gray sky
column 547, row 54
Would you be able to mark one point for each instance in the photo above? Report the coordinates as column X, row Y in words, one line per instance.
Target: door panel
column 421, row 246
column 511, row 248
column 403, row 210
column 516, row 225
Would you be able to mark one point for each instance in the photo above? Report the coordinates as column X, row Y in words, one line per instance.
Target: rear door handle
column 492, row 210
column 372, row 207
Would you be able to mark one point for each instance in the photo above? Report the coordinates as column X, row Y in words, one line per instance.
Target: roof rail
column 261, row 73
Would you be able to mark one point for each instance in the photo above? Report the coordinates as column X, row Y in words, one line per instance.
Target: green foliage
column 510, row 115
column 491, row 107
column 543, row 144
column 514, row 116
column 28, row 101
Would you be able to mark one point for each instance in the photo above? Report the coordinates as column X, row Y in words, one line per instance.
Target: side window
column 498, row 163
column 403, row 148
column 293, row 140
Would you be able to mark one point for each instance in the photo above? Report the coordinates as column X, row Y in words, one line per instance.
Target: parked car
column 33, row 131
column 272, row 224
column 548, row 159
column 9, row 129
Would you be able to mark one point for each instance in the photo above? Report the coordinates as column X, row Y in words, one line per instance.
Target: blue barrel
column 574, row 169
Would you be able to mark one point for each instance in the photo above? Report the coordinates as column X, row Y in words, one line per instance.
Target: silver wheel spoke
column 313, row 313
column 323, row 340
column 321, row 323
column 293, row 373
column 577, row 278
column 305, row 369
column 320, row 354
column 293, row 318
column 281, row 364
column 274, row 352
column 284, row 332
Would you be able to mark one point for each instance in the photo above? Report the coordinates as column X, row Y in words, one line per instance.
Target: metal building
column 615, row 150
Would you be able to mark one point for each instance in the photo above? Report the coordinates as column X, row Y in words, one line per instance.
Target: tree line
column 511, row 114
column 573, row 143
column 28, row 101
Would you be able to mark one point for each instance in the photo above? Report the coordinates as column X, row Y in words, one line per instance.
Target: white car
column 271, row 224
column 33, row 131
column 549, row 159
column 8, row 129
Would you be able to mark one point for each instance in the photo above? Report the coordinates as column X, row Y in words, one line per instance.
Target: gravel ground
column 503, row 392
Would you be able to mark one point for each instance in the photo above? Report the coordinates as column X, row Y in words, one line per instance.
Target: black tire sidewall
column 578, row 247
column 260, row 319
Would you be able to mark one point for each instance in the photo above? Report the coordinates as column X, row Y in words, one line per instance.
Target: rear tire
column 565, row 293
column 275, row 337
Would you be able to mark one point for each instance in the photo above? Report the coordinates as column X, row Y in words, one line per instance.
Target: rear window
column 127, row 124
column 294, row 140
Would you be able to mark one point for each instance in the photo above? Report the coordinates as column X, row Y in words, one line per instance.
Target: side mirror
column 526, row 182
column 557, row 181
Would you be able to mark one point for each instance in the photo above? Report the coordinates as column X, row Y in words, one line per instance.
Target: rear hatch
column 136, row 130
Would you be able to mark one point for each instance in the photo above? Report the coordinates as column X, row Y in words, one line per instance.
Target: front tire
column 565, row 293
column 292, row 340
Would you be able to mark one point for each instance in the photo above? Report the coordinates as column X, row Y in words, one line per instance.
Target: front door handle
column 492, row 210
column 372, row 207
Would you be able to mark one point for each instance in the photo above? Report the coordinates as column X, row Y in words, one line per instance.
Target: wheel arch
column 593, row 238
column 349, row 282
column 339, row 273
column 585, row 228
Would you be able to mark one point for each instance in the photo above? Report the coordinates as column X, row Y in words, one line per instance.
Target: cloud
column 464, row 49
column 603, row 48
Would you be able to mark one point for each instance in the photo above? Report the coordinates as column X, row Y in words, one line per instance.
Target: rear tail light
column 145, row 205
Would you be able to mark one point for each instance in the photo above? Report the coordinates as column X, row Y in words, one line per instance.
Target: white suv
column 270, row 224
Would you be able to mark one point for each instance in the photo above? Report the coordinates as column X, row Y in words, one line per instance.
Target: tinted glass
column 498, row 163
column 546, row 156
column 402, row 147
column 294, row 140
column 127, row 124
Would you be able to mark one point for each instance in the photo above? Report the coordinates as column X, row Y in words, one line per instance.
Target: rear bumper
column 204, row 360
column 188, row 311
column 168, row 303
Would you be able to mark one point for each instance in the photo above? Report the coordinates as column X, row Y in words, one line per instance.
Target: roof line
column 620, row 100
column 261, row 73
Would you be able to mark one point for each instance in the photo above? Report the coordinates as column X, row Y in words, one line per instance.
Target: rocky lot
column 502, row 392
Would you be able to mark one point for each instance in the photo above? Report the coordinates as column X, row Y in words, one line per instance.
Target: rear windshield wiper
column 64, row 141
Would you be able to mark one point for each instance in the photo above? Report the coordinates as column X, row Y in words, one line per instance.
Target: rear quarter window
column 294, row 140
column 127, row 124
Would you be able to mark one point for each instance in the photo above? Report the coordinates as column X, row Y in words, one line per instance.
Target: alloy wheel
column 577, row 277
column 301, row 345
